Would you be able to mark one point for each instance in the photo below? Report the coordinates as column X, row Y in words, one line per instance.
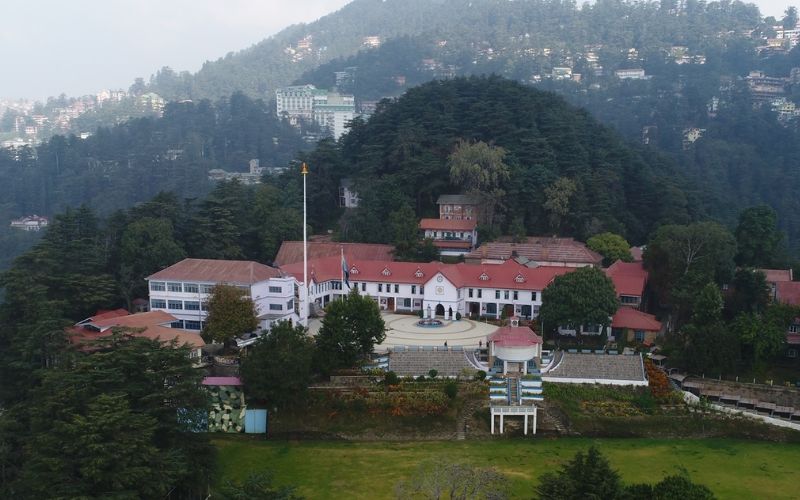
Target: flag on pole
column 345, row 271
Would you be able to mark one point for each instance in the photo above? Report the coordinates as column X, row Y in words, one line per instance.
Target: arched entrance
column 450, row 312
column 440, row 310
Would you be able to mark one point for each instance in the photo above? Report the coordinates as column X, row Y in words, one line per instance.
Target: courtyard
column 403, row 330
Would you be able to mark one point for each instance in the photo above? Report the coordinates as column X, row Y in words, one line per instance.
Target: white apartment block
column 183, row 290
column 330, row 110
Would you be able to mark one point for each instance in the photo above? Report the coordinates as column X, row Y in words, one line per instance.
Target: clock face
column 439, row 290
column 439, row 278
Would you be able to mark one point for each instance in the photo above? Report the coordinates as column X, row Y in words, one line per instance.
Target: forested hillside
column 121, row 166
column 553, row 152
column 480, row 36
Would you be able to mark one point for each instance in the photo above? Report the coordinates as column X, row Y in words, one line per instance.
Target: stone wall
column 782, row 396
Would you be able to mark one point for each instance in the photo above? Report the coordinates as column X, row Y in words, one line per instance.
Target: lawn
column 336, row 469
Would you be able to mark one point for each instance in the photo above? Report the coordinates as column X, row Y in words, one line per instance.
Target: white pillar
column 492, row 411
column 505, row 367
column 501, row 423
column 525, row 427
column 535, row 412
column 524, row 368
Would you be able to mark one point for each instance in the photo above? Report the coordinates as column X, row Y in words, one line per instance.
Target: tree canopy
column 231, row 313
column 350, row 329
column 612, row 247
column 583, row 297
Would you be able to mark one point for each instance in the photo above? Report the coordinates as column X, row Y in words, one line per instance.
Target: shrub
column 420, row 313
column 458, row 316
column 451, row 389
column 433, row 372
column 391, row 378
column 421, row 378
column 481, row 375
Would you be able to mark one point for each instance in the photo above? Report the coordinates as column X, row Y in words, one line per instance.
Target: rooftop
column 514, row 336
column 629, row 278
column 777, row 275
column 628, row 317
column 217, row 271
column 292, row 251
column 538, row 249
column 152, row 325
column 448, row 224
column 788, row 292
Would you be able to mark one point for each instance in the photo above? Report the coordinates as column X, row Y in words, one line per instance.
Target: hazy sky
column 81, row 46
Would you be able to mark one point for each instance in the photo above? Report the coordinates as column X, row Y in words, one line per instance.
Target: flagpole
column 304, row 172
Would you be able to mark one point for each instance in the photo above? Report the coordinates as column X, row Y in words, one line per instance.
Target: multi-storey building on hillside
column 330, row 110
column 184, row 288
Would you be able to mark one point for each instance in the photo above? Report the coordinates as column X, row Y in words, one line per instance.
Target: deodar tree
column 480, row 169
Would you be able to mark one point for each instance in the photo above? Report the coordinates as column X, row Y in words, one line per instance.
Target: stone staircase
column 463, row 418
column 513, row 391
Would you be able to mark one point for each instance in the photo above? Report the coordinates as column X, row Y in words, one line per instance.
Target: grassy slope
column 732, row 469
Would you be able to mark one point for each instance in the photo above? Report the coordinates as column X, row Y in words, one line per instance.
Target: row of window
column 506, row 294
column 171, row 286
column 188, row 324
column 178, row 305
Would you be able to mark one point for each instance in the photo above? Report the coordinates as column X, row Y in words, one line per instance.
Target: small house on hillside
column 458, row 207
column 451, row 236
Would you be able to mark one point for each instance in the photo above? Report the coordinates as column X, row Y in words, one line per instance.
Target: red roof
column 793, row 338
column 628, row 317
column 514, row 336
column 452, row 244
column 788, row 292
column 292, row 251
column 777, row 275
column 538, row 249
column 448, row 224
column 629, row 278
column 151, row 322
column 217, row 271
column 509, row 274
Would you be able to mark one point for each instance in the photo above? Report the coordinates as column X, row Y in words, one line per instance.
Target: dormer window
column 519, row 278
column 483, row 277
column 386, row 272
column 354, row 270
column 419, row 274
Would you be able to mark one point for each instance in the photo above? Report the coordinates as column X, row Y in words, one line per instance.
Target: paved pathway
column 403, row 330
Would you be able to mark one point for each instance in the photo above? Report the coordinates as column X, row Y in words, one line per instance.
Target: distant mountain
column 479, row 34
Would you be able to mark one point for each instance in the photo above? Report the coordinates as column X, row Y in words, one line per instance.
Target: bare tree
column 455, row 481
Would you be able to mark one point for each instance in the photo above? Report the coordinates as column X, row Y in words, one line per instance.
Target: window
column 363, row 287
column 388, row 288
column 505, row 294
column 639, row 335
column 407, row 303
column 421, row 290
column 157, row 286
column 536, row 310
column 591, row 328
column 275, row 289
column 177, row 324
column 174, row 287
column 470, row 292
column 628, row 299
column 206, row 288
column 158, row 304
column 497, row 294
column 190, row 287
column 413, row 289
column 190, row 324
column 275, row 307
column 290, row 305
column 175, row 304
column 794, row 328
column 397, row 289
column 491, row 308
column 380, row 287
column 191, row 305
column 480, row 293
column 791, row 353
column 204, row 306
column 533, row 296
column 484, row 277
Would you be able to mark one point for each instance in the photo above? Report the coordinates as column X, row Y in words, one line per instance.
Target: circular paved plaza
column 402, row 330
